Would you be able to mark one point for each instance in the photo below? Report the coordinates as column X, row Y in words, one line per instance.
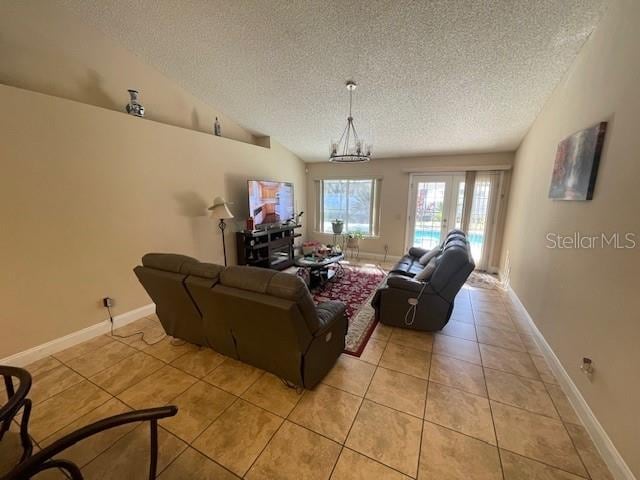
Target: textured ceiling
column 447, row 76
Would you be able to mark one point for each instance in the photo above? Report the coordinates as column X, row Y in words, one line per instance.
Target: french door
column 435, row 208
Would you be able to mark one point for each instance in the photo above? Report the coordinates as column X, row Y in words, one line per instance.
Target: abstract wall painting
column 576, row 166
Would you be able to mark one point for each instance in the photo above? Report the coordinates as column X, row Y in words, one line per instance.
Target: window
column 352, row 201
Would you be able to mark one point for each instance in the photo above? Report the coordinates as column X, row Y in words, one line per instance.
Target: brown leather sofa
column 433, row 298
column 262, row 317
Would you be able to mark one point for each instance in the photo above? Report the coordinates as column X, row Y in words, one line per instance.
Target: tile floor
column 476, row 401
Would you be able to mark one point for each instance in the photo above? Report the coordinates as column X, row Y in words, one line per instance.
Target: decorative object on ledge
column 217, row 129
column 220, row 210
column 134, row 107
column 337, row 226
column 576, row 166
column 350, row 148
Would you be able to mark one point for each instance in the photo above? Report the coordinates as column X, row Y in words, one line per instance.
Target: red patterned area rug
column 355, row 287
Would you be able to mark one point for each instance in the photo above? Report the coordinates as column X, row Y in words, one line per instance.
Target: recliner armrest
column 405, row 283
column 328, row 313
column 417, row 252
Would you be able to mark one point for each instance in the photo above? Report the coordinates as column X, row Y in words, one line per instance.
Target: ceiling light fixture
column 350, row 148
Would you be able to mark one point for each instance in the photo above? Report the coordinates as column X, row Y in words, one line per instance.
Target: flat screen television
column 270, row 203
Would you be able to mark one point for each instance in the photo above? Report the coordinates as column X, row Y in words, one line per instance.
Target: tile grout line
column 376, row 365
column 573, row 443
column 355, row 417
column 338, row 388
column 540, row 380
column 493, row 422
column 343, row 446
column 424, row 418
column 108, row 393
column 244, row 475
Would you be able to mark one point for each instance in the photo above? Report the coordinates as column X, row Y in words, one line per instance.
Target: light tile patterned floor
column 476, row 401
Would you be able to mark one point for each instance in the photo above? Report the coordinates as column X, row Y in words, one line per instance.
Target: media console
column 269, row 248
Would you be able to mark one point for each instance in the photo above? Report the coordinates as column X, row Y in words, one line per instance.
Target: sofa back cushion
column 431, row 254
column 166, row 278
column 175, row 308
column 199, row 283
column 209, row 271
column 427, row 271
column 169, row 262
column 452, row 268
column 276, row 284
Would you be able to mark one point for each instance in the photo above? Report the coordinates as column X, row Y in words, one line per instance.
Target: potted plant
column 353, row 239
column 337, row 226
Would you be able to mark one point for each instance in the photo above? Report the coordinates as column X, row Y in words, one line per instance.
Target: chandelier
column 350, row 148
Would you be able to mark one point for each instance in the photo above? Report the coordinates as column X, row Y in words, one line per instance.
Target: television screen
column 270, row 202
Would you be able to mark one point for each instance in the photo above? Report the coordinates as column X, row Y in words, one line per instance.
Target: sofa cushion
column 434, row 252
column 328, row 311
column 292, row 287
column 278, row 284
column 169, row 262
column 204, row 270
column 417, row 252
column 427, row 271
column 453, row 267
column 455, row 236
column 253, row 279
column 416, row 268
column 404, row 265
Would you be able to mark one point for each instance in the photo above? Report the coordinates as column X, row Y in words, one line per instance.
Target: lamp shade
column 219, row 209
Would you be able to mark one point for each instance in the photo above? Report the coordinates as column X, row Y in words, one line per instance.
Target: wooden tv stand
column 268, row 248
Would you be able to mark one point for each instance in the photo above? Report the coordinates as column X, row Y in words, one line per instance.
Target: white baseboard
column 617, row 466
column 33, row 354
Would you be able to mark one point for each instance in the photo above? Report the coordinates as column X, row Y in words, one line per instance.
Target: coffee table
column 320, row 268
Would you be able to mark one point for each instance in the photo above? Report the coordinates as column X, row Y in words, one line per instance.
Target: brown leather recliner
column 259, row 316
column 163, row 275
column 433, row 298
column 276, row 326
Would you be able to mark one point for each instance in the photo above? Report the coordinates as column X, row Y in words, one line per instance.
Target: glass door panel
column 436, row 207
column 429, row 206
column 480, row 217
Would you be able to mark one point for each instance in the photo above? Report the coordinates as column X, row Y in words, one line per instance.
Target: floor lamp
column 220, row 210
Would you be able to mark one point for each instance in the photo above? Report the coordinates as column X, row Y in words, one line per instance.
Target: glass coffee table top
column 318, row 261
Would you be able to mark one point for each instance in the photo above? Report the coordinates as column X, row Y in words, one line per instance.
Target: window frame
column 374, row 207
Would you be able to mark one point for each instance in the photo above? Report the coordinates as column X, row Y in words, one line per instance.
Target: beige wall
column 394, row 190
column 85, row 192
column 46, row 48
column 586, row 302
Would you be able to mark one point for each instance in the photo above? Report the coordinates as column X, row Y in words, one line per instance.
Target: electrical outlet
column 587, row 366
column 107, row 302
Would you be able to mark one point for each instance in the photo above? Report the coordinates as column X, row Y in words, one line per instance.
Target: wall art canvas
column 576, row 167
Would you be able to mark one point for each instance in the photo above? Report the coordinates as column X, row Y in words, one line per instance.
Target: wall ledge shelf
column 260, row 141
